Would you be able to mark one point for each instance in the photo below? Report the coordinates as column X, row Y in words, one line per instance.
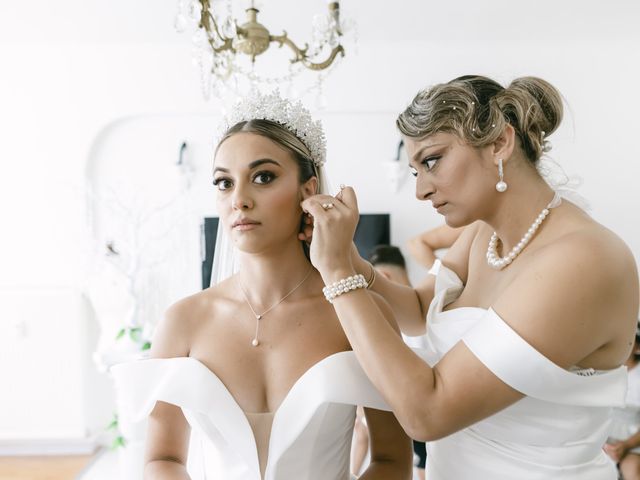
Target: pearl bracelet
column 343, row 286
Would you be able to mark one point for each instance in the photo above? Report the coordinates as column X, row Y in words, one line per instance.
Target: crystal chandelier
column 226, row 52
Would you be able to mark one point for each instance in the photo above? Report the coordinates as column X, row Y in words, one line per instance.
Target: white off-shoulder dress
column 626, row 421
column 311, row 431
column 556, row 432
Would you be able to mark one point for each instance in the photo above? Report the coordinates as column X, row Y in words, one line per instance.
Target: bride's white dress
column 311, row 431
column 555, row 432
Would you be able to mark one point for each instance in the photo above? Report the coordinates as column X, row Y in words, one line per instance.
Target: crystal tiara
column 293, row 116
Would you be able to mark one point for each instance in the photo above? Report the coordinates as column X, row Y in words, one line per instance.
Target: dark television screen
column 373, row 229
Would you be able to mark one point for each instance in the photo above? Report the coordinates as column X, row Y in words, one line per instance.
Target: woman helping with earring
column 528, row 318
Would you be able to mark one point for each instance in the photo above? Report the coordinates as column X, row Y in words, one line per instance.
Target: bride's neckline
column 294, row 386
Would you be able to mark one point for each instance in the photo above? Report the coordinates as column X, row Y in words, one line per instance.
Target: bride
column 258, row 365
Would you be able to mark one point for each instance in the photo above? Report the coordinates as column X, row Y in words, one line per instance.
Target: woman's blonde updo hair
column 477, row 109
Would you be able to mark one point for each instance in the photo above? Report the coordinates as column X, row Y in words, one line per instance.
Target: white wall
column 57, row 96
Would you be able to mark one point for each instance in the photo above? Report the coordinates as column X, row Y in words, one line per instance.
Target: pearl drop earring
column 501, row 186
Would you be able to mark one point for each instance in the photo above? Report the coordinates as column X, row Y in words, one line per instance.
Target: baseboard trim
column 45, row 447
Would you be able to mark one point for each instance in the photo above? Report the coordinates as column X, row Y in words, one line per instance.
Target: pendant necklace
column 255, row 342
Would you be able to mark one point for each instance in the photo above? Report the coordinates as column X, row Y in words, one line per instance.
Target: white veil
column 565, row 185
column 225, row 258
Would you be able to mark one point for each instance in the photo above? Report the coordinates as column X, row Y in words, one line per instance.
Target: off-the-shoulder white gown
column 556, row 432
column 311, row 432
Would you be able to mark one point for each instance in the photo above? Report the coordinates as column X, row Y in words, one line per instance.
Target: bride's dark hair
column 283, row 137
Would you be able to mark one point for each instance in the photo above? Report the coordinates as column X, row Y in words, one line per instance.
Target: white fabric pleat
column 312, row 428
column 556, row 432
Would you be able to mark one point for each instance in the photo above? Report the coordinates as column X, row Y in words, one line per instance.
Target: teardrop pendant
column 255, row 342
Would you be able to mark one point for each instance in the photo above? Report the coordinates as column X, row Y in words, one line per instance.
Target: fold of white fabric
column 311, row 429
column 555, row 432
column 493, row 341
column 189, row 384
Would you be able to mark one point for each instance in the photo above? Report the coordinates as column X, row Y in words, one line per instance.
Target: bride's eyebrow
column 252, row 165
column 262, row 161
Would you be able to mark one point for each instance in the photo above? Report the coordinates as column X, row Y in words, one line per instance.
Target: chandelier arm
column 227, row 45
column 300, row 53
column 322, row 65
column 208, row 22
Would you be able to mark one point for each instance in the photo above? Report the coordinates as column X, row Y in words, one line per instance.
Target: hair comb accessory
column 291, row 115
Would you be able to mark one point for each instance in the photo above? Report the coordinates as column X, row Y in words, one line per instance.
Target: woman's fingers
column 344, row 201
column 348, row 198
column 334, row 223
column 306, row 233
column 318, row 205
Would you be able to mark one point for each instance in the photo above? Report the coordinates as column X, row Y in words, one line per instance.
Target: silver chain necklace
column 255, row 342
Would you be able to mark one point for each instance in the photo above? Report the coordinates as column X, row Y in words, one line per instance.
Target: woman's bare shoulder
column 585, row 258
column 576, row 295
column 598, row 249
column 184, row 319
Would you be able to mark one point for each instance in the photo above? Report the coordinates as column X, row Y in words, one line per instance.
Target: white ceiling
column 468, row 22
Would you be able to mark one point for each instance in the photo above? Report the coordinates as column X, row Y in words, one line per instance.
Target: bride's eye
column 263, row 178
column 222, row 183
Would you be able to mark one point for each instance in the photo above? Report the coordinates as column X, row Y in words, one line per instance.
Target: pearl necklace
column 255, row 342
column 498, row 263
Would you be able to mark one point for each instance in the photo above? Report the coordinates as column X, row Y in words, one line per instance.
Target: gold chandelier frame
column 253, row 38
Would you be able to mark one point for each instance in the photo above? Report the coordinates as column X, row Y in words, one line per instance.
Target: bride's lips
column 245, row 224
column 438, row 205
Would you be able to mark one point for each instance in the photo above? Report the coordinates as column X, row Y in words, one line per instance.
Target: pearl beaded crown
column 293, row 116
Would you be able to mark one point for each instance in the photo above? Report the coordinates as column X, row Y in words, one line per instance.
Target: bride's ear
column 309, row 188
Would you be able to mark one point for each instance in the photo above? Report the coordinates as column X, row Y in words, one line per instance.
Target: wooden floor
column 43, row 468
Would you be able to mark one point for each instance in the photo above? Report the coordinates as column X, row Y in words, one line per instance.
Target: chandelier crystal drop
column 226, row 50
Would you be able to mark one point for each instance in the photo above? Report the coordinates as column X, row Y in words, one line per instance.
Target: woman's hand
column 331, row 230
column 616, row 451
